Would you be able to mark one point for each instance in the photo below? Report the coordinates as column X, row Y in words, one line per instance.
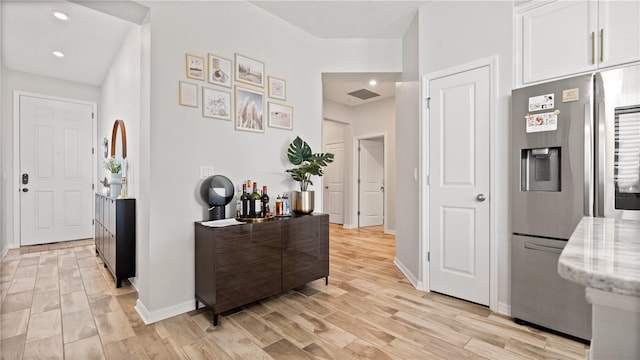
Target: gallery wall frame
column 280, row 116
column 277, row 88
column 188, row 94
column 216, row 104
column 249, row 71
column 249, row 114
column 220, row 70
column 194, row 66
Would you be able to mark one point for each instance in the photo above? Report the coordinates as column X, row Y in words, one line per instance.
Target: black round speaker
column 217, row 191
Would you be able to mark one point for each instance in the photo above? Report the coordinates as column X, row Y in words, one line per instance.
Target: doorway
column 456, row 227
column 56, row 167
column 370, row 174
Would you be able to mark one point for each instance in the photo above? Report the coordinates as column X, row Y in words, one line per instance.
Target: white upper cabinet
column 619, row 32
column 562, row 38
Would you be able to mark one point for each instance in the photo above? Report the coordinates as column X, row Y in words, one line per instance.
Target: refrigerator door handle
column 601, row 161
column 588, row 154
column 545, row 248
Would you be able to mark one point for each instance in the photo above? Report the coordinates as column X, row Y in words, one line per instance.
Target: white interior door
column 55, row 170
column 371, row 182
column 334, row 184
column 459, row 182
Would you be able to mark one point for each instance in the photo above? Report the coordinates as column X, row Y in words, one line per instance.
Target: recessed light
column 60, row 15
column 58, row 54
column 373, row 82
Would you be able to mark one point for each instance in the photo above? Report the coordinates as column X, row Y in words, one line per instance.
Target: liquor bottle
column 255, row 206
column 286, row 205
column 265, row 202
column 238, row 208
column 278, row 205
column 244, row 199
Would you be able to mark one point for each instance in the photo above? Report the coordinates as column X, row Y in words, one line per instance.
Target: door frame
column 356, row 175
column 344, row 192
column 16, row 153
column 423, row 229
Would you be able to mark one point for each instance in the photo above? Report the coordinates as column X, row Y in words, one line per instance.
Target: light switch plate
column 206, row 171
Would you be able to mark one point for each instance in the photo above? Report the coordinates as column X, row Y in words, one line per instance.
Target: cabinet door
column 305, row 250
column 248, row 264
column 558, row 39
column 619, row 27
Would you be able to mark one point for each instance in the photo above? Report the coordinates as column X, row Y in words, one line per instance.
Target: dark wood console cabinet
column 115, row 235
column 240, row 264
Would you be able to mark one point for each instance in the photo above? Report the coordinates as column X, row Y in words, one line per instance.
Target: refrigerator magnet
column 542, row 122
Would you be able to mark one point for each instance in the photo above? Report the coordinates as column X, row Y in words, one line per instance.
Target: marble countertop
column 604, row 254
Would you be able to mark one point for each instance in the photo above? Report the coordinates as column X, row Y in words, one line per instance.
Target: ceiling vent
column 363, row 94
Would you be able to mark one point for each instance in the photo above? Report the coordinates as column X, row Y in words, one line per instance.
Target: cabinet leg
column 118, row 282
column 104, row 264
column 215, row 319
column 326, row 280
column 196, row 304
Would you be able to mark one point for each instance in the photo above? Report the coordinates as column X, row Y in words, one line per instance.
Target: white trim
column 412, row 279
column 3, row 253
column 349, row 226
column 504, row 309
column 492, row 63
column 150, row 317
column 390, row 232
column 15, row 179
column 356, row 165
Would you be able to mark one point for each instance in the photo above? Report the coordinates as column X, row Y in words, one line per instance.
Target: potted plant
column 115, row 167
column 307, row 164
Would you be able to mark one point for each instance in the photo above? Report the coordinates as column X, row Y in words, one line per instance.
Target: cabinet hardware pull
column 601, row 45
column 593, row 47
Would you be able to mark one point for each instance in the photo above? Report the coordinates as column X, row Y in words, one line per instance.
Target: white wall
column 181, row 140
column 120, row 99
column 455, row 33
column 407, row 157
column 13, row 80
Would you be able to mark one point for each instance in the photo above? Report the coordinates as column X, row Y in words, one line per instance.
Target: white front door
column 55, row 170
column 459, row 180
column 334, row 184
column 371, row 182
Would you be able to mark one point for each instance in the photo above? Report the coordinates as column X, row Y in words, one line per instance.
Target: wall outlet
column 206, row 171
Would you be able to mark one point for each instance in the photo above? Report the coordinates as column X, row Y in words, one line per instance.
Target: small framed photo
column 249, row 110
column 195, row 66
column 216, row 104
column 277, row 88
column 188, row 94
column 280, row 116
column 249, row 70
column 220, row 70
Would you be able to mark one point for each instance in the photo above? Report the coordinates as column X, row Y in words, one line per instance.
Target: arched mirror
column 119, row 140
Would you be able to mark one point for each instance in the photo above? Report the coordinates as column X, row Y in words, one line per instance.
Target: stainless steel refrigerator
column 575, row 152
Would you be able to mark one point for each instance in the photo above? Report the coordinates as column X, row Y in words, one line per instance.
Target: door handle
column 326, row 187
column 25, row 190
column 481, row 197
column 381, row 188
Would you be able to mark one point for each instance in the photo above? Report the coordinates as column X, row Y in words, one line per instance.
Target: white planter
column 116, row 184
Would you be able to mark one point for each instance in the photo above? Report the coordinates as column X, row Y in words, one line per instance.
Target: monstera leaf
column 308, row 163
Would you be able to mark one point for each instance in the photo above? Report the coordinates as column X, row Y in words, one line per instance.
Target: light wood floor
column 59, row 302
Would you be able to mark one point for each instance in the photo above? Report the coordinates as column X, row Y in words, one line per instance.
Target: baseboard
column 134, row 283
column 504, row 309
column 3, row 253
column 149, row 317
column 390, row 232
column 412, row 279
column 349, row 226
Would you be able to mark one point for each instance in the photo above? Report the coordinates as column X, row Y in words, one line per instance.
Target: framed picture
column 216, row 104
column 249, row 109
column 277, row 88
column 249, row 71
column 280, row 116
column 220, row 70
column 188, row 94
column 195, row 67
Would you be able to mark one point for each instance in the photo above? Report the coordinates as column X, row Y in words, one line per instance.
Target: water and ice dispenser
column 540, row 169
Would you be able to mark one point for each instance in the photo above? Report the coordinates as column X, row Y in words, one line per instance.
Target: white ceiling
column 346, row 19
column 90, row 39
